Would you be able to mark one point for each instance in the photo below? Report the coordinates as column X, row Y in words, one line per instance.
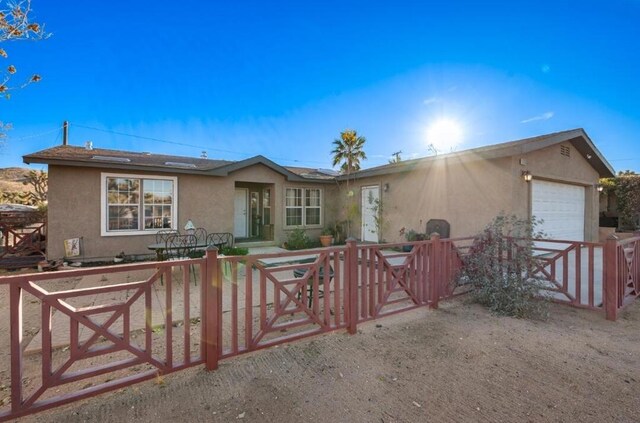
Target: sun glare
column 445, row 135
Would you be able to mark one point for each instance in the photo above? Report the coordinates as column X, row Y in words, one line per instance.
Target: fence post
column 210, row 307
column 435, row 267
column 15, row 316
column 352, row 283
column 610, row 285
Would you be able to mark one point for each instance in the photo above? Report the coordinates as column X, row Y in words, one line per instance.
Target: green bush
column 298, row 240
column 502, row 281
column 196, row 254
column 628, row 195
column 234, row 251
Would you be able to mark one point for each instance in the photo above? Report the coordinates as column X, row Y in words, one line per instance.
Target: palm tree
column 348, row 151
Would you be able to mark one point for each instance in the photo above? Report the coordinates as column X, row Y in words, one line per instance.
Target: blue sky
column 283, row 79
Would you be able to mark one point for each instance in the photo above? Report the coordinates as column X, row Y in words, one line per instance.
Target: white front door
column 370, row 207
column 240, row 213
column 561, row 207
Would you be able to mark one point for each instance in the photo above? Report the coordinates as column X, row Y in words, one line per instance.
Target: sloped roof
column 119, row 159
column 577, row 137
column 234, row 166
column 81, row 155
column 313, row 173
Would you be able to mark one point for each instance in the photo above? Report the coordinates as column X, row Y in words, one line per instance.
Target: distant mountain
column 11, row 179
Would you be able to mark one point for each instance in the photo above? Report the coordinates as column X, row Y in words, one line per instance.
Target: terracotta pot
column 326, row 240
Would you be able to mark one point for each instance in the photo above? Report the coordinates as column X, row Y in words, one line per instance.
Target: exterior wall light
column 527, row 176
column 189, row 226
column 386, row 187
column 599, row 187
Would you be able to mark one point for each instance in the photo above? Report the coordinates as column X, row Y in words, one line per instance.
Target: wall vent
column 565, row 151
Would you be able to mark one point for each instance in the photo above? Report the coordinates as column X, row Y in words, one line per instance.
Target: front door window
column 255, row 214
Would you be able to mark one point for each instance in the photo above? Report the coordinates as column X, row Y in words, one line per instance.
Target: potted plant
column 326, row 237
column 410, row 236
column 119, row 258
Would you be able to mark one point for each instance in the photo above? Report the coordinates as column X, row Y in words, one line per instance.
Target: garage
column 561, row 207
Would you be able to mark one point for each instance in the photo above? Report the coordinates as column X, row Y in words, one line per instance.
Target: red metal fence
column 106, row 328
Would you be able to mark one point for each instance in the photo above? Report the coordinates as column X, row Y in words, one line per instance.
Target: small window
column 293, row 207
column 266, row 206
column 312, row 207
column 565, row 151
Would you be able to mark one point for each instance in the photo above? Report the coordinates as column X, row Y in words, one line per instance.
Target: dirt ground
column 458, row 363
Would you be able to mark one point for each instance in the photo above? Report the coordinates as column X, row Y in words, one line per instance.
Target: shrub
column 628, row 195
column 327, row 231
column 234, row 251
column 499, row 265
column 195, row 254
column 411, row 235
column 298, row 240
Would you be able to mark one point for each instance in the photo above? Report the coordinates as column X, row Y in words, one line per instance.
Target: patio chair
column 178, row 247
column 200, row 234
column 163, row 234
column 299, row 273
column 161, row 238
column 220, row 239
column 181, row 247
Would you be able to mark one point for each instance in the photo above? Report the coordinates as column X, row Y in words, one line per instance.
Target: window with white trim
column 158, row 203
column 312, row 206
column 136, row 204
column 303, row 206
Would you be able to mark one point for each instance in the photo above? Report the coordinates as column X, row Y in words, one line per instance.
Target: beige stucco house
column 553, row 177
column 116, row 200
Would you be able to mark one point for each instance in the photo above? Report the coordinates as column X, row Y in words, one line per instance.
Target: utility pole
column 65, row 132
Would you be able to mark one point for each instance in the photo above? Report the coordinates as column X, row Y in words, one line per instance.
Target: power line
column 201, row 147
column 26, row 137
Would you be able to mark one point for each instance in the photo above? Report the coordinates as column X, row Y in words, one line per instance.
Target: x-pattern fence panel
column 629, row 271
column 22, row 240
column 269, row 299
column 389, row 281
column 127, row 327
column 572, row 271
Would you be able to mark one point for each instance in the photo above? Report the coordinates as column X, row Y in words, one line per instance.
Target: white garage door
column 561, row 206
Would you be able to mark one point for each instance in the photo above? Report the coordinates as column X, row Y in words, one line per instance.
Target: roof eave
column 111, row 165
column 601, row 165
column 252, row 161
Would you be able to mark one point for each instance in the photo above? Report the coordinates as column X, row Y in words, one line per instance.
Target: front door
column 240, row 206
column 370, row 207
